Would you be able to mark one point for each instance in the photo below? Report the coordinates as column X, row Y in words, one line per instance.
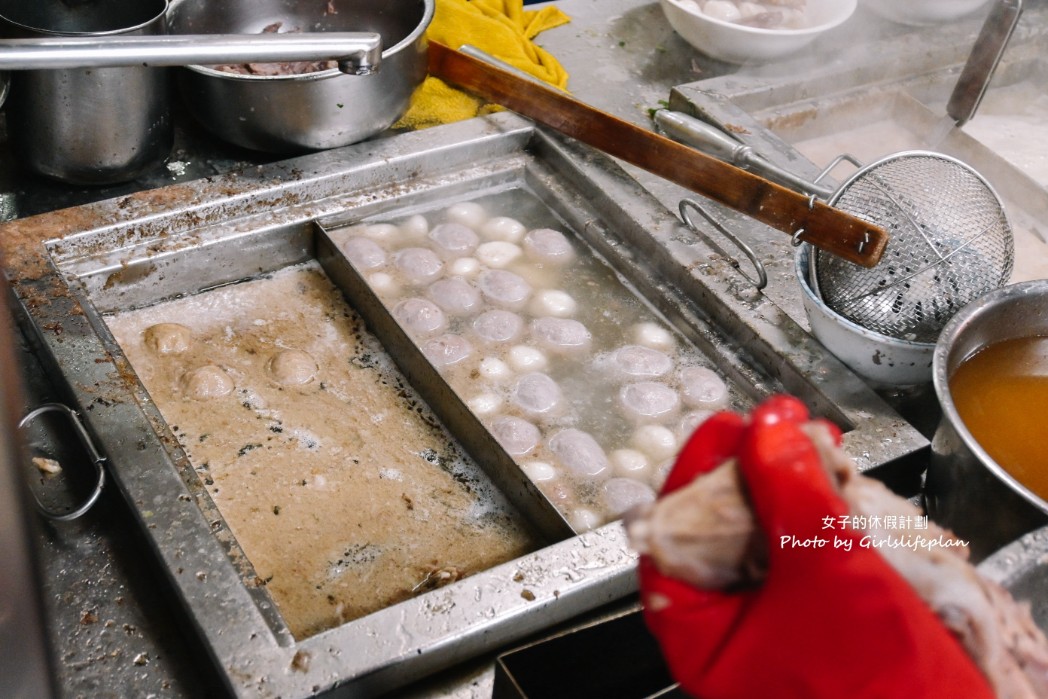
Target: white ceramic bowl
column 737, row 43
column 884, row 360
column 923, row 12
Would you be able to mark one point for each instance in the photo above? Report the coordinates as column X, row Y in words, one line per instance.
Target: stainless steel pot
column 313, row 111
column 880, row 359
column 966, row 490
column 88, row 125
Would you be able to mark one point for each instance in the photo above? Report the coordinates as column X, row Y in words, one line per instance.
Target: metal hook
column 796, row 239
column 89, row 446
column 761, row 280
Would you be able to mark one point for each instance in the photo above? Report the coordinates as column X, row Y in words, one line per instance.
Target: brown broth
column 1001, row 394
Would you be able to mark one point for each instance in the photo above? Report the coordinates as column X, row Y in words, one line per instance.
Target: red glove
column 826, row 623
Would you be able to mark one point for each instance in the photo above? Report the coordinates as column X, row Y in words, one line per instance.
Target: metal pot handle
column 85, row 440
column 713, row 141
column 761, row 280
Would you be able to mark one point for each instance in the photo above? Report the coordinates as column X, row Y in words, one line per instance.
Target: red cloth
column 826, row 623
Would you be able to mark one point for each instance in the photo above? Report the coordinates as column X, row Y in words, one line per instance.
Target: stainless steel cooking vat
column 72, row 266
column 966, row 489
column 313, row 111
column 88, row 125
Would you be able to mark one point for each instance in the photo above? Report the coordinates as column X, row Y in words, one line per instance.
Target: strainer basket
column 950, row 242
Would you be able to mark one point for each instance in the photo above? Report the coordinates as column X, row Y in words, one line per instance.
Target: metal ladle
column 357, row 53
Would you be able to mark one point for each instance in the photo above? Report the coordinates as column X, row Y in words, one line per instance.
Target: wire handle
column 761, row 279
column 89, row 446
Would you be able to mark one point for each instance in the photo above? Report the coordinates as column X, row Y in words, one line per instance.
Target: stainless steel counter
column 114, row 631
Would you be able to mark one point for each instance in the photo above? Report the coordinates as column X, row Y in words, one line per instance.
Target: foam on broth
column 341, row 487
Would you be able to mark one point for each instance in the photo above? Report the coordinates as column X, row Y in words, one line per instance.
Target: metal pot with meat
column 300, row 107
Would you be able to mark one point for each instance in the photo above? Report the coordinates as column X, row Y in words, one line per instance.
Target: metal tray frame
column 69, row 267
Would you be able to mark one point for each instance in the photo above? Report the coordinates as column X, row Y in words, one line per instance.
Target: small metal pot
column 88, row 125
column 966, row 490
column 882, row 360
column 313, row 111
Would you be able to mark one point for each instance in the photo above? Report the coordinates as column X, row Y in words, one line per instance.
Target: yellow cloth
column 500, row 28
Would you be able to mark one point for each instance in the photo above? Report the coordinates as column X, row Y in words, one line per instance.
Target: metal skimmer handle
column 982, row 62
column 357, row 53
column 712, row 141
column 761, row 280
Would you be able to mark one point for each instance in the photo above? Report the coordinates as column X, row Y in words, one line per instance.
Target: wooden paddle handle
column 800, row 216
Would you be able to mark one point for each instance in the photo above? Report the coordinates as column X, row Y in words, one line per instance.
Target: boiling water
column 1012, row 123
column 331, row 473
column 583, row 383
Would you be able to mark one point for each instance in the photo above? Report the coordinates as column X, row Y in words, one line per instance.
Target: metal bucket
column 88, row 125
column 966, row 490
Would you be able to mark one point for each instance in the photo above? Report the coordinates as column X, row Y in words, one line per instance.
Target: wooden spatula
column 796, row 214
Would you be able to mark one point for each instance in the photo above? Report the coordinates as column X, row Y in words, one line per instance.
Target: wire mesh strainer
column 950, row 242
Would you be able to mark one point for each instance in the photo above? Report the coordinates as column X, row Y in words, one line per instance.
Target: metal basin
column 72, row 269
column 312, row 111
column 883, row 360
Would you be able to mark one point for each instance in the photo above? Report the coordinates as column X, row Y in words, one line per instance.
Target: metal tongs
column 357, row 53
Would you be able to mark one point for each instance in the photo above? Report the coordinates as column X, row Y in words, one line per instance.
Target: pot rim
column 985, row 304
column 166, row 5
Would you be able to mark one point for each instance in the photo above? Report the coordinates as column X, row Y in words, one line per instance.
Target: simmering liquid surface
column 1001, row 394
column 339, row 484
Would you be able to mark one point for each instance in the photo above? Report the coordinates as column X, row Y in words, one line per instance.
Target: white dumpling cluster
column 767, row 14
column 512, row 319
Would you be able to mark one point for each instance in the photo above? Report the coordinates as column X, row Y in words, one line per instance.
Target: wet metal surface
column 116, row 629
